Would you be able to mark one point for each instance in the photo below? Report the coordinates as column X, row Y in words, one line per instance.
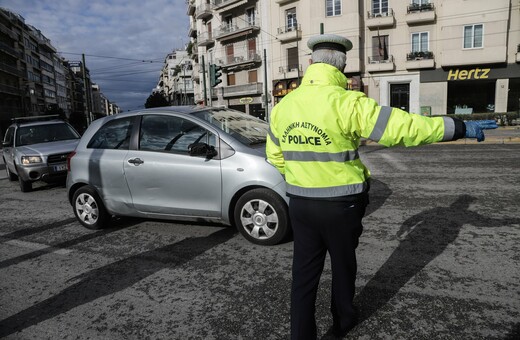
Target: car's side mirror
column 202, row 149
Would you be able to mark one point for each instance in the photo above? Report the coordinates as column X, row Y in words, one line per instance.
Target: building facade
column 425, row 56
column 176, row 80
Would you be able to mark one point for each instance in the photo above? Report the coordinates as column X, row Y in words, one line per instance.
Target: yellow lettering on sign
column 475, row 73
column 453, row 74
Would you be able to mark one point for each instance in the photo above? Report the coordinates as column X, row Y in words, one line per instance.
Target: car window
column 171, row 134
column 8, row 138
column 245, row 128
column 113, row 135
column 44, row 133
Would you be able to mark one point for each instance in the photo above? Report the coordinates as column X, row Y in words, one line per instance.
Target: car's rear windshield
column 34, row 134
column 245, row 128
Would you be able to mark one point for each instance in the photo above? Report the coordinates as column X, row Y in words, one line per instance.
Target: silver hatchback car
column 179, row 163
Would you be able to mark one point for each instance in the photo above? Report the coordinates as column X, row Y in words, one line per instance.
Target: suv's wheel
column 261, row 217
column 25, row 186
column 88, row 208
column 10, row 175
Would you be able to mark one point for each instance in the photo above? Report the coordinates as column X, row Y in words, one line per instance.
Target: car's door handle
column 135, row 161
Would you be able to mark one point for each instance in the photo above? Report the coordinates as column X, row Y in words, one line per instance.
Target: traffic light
column 214, row 75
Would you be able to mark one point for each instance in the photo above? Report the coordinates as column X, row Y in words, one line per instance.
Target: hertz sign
column 476, row 73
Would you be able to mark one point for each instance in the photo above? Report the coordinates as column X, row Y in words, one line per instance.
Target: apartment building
column 175, row 80
column 425, row 56
column 229, row 34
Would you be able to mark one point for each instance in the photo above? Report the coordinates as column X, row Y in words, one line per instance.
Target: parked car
column 36, row 149
column 179, row 162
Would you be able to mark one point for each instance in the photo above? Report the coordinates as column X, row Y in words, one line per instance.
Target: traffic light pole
column 204, row 81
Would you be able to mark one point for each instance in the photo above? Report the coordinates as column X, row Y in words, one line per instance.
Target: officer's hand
column 474, row 129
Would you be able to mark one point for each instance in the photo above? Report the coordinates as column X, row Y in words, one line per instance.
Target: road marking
column 37, row 246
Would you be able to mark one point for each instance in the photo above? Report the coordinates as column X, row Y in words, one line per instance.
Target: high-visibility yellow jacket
column 315, row 132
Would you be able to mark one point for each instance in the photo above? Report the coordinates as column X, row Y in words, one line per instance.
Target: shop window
column 473, row 35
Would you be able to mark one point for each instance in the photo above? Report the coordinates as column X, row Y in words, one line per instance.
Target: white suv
column 36, row 149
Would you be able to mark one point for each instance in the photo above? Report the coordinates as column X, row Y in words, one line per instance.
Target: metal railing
column 419, row 55
column 420, row 7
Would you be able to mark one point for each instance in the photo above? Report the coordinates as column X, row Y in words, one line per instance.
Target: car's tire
column 261, row 216
column 89, row 208
column 12, row 177
column 25, row 186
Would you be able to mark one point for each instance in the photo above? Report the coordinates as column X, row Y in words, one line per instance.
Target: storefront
column 473, row 89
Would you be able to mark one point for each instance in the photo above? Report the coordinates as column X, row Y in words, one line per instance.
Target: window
column 252, row 77
column 420, row 42
column 228, row 22
column 333, row 7
column 379, row 7
column 291, row 21
column 231, row 79
column 292, row 59
column 250, row 14
column 379, row 48
column 171, row 134
column 473, row 35
column 113, row 135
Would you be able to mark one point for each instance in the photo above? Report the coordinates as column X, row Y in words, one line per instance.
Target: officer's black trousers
column 320, row 226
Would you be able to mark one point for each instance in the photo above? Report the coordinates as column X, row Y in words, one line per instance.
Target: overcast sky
column 125, row 42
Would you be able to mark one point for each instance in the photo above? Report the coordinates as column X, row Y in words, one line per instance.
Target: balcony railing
column 191, row 7
column 232, row 60
column 380, row 19
column 5, row 47
column 205, row 39
column 420, row 59
column 290, row 68
column 203, row 11
column 232, row 31
column 420, row 7
column 419, row 55
column 10, row 69
column 423, row 13
column 288, row 33
column 378, row 64
column 242, row 90
column 223, row 3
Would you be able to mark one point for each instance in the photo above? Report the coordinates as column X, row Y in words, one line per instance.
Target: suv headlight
column 26, row 160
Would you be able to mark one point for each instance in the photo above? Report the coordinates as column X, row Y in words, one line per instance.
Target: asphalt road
column 439, row 259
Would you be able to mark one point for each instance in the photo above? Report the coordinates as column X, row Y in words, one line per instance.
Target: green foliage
column 156, row 99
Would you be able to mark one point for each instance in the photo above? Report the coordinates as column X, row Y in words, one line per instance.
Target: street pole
column 266, row 100
column 204, row 81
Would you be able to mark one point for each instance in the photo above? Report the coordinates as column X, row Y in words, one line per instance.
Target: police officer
column 313, row 141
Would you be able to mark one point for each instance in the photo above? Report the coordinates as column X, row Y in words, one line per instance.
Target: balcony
column 383, row 19
column 283, row 2
column 225, row 5
column 10, row 50
column 203, row 12
column 420, row 14
column 242, row 90
column 205, row 39
column 291, row 71
column 8, row 31
column 10, row 69
column 376, row 64
column 418, row 60
column 231, row 32
column 191, row 7
column 289, row 33
column 234, row 62
column 192, row 30
column 10, row 90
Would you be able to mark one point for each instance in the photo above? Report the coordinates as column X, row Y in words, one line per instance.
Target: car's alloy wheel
column 261, row 216
column 88, row 208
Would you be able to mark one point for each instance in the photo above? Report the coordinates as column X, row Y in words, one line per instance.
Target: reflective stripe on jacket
column 316, row 129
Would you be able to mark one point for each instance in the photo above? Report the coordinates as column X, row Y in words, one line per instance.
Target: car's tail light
column 69, row 158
